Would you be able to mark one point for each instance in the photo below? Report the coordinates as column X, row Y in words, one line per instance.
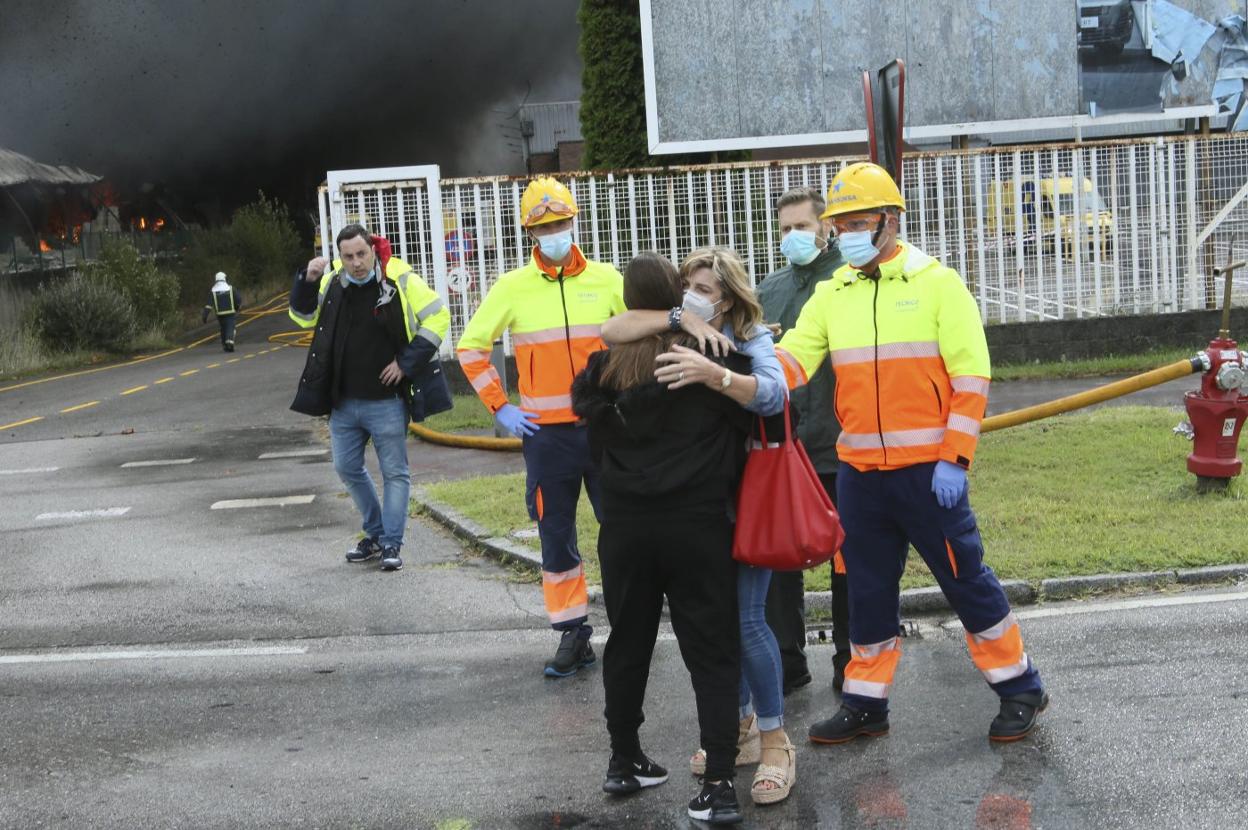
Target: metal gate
column 403, row 204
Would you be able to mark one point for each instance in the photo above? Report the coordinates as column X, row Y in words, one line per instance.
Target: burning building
column 43, row 207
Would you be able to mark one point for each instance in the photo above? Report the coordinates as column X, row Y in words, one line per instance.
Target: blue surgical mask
column 556, row 246
column 856, row 247
column 800, row 247
column 362, row 280
column 700, row 306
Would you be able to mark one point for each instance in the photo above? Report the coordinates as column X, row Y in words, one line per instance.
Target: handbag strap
column 788, row 427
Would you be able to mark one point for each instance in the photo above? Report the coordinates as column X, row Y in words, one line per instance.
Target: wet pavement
column 168, row 663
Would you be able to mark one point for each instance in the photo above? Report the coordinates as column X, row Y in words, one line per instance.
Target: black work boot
column 848, row 724
column 573, row 654
column 628, row 775
column 1017, row 716
column 716, row 804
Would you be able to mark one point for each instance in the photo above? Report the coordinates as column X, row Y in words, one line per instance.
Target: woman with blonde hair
column 719, row 310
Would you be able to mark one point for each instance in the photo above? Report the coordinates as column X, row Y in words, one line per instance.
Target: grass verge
column 1091, row 367
column 467, row 414
column 1100, row 492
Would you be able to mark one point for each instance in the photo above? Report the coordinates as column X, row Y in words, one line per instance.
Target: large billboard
column 744, row 74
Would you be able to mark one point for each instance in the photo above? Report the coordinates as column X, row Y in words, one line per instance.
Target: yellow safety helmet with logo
column 862, row 187
column 546, row 200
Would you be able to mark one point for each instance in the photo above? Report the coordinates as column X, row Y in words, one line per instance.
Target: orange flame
column 158, row 224
column 142, row 223
column 44, row 247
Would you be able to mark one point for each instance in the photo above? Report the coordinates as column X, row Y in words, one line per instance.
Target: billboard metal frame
column 912, row 133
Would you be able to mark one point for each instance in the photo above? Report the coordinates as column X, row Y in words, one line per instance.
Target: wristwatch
column 727, row 380
column 673, row 318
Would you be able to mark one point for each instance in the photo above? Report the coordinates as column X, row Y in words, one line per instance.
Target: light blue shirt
column 765, row 367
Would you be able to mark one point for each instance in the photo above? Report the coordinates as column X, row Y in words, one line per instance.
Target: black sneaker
column 1017, row 716
column 229, row 345
column 364, row 550
column 716, row 804
column 573, row 654
column 390, row 559
column 796, row 681
column 848, row 724
column 628, row 775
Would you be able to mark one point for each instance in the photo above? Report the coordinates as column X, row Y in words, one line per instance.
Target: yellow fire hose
column 1173, row 371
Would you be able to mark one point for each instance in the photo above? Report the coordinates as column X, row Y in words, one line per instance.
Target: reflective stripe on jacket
column 424, row 314
column 910, row 356
column 555, row 317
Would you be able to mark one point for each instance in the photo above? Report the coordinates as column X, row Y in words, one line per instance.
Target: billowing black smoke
column 215, row 99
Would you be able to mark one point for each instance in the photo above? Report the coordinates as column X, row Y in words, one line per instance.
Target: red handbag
column 785, row 519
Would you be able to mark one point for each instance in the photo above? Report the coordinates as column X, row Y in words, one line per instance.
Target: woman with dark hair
column 669, row 461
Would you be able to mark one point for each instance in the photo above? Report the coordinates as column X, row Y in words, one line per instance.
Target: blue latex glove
column 516, row 420
column 948, row 483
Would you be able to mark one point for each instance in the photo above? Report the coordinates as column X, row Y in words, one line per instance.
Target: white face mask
column 699, row 305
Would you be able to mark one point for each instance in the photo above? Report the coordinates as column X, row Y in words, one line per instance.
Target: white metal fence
column 1039, row 233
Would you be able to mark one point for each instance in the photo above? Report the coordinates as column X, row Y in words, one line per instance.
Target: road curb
column 914, row 601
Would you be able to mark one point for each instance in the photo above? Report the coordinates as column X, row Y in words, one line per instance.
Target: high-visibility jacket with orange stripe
column 555, row 317
column 910, row 356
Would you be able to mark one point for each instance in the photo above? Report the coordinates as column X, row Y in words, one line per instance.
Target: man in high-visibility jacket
column 225, row 302
column 554, row 306
column 912, row 373
column 372, row 364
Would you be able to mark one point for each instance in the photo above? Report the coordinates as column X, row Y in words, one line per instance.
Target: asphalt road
column 167, row 664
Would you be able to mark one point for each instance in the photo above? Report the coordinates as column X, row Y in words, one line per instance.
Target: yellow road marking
column 269, row 307
column 135, row 389
column 22, row 423
column 188, row 373
column 212, row 365
column 246, row 356
column 79, row 406
column 233, row 360
column 163, row 380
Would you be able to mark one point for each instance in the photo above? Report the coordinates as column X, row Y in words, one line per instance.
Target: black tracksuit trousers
column 687, row 556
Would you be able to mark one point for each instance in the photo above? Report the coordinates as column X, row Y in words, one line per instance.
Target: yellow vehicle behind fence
column 1057, row 205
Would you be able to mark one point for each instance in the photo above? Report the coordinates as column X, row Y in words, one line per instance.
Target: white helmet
column 220, row 276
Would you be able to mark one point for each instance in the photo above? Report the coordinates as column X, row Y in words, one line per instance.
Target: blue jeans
column 762, row 675
column 351, row 424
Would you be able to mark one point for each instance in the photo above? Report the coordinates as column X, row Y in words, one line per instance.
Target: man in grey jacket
column 812, row 254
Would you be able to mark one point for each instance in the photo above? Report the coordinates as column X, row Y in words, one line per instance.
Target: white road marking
column 28, row 471
column 1118, row 605
column 160, row 462
column 150, row 654
column 278, row 501
column 104, row 513
column 291, row 454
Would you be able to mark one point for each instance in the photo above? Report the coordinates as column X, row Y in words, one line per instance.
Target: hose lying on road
column 1173, row 371
column 473, row 442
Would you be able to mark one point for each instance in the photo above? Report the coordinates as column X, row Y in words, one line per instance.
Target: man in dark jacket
column 807, row 243
column 372, row 362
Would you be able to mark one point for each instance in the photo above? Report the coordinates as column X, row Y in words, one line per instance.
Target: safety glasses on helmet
column 550, row 206
column 856, row 224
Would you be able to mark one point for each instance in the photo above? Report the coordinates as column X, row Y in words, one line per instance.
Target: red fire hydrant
column 1217, row 412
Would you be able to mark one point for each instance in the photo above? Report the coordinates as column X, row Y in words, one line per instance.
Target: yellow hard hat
column 546, row 200
column 862, row 186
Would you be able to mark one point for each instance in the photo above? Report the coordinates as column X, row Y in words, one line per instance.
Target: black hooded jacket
column 660, row 449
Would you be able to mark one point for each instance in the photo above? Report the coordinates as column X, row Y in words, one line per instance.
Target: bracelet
column 673, row 318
